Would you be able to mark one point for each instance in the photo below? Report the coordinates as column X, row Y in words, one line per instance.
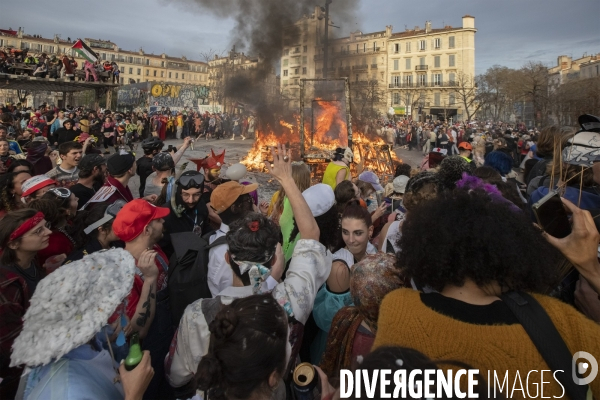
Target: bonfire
column 327, row 131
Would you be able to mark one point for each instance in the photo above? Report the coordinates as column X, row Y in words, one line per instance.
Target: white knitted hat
column 71, row 305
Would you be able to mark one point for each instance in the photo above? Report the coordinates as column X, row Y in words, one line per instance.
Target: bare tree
column 493, row 92
column 367, row 97
column 530, row 84
column 466, row 92
column 22, row 95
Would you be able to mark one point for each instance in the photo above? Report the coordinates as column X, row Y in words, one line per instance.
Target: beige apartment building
column 135, row 66
column 568, row 69
column 415, row 72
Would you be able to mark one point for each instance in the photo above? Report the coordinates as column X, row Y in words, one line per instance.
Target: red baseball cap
column 133, row 218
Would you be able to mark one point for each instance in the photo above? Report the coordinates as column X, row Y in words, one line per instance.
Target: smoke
column 259, row 24
column 259, row 32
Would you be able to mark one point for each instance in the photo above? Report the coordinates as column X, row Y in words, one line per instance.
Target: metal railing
column 421, row 68
column 422, row 85
column 373, row 66
column 360, row 67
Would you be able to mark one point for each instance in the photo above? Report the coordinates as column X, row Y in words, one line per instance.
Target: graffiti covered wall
column 133, row 96
column 158, row 95
column 176, row 97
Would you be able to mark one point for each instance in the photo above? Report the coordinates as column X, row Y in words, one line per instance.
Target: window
column 162, row 74
column 147, row 72
column 286, row 52
column 169, row 75
column 396, row 98
column 396, row 67
column 182, row 76
column 421, row 60
column 408, row 80
column 437, row 43
column 408, row 63
column 131, row 71
column 130, row 60
column 408, row 47
column 422, row 45
column 139, row 71
column 303, row 70
column 176, row 75
column 436, row 61
column 285, row 72
column 296, row 71
column 451, row 99
column 451, row 42
column 452, row 78
column 162, row 64
column 397, row 48
column 285, row 62
column 364, row 47
column 422, row 79
column 396, row 80
column 147, row 61
column 304, row 60
column 437, row 79
column 297, row 50
column 374, row 46
column 436, row 99
column 305, row 49
column 154, row 73
column 451, row 60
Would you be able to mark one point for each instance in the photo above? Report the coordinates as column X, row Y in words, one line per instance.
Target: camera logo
column 582, row 367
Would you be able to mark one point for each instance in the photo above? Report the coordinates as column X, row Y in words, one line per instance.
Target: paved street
column 237, row 150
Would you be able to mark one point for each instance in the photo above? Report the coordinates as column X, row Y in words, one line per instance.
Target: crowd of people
column 228, row 290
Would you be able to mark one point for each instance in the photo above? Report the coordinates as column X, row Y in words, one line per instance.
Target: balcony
column 421, row 68
column 422, row 85
column 348, row 53
column 373, row 66
column 360, row 67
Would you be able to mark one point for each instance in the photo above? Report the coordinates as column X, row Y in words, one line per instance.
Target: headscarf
column 371, row 280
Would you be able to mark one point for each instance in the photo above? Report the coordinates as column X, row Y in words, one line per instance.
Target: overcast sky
column 509, row 32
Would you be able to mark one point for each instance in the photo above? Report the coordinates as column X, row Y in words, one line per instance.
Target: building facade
column 412, row 73
column 567, row 69
column 258, row 78
column 135, row 66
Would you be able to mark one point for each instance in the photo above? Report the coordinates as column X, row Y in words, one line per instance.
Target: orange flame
column 330, row 131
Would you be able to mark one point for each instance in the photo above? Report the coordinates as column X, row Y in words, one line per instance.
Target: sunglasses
column 188, row 181
column 61, row 193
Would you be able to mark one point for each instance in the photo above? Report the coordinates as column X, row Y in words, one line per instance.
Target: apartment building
column 414, row 72
column 568, row 69
column 426, row 66
column 135, row 66
column 234, row 65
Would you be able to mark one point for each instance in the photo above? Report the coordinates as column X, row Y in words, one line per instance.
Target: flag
column 84, row 51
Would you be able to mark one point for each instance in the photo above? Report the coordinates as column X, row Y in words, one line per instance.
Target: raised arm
column 281, row 169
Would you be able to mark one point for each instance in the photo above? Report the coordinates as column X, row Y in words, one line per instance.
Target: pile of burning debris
column 317, row 146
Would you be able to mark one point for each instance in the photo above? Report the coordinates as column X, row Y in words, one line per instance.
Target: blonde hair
column 301, row 176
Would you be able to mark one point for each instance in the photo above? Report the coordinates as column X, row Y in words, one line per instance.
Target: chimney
column 20, row 33
column 388, row 30
column 427, row 26
column 468, row 21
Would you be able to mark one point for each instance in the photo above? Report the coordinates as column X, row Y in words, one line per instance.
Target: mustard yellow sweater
column 405, row 321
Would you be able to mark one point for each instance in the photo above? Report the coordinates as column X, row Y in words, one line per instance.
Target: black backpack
column 188, row 271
